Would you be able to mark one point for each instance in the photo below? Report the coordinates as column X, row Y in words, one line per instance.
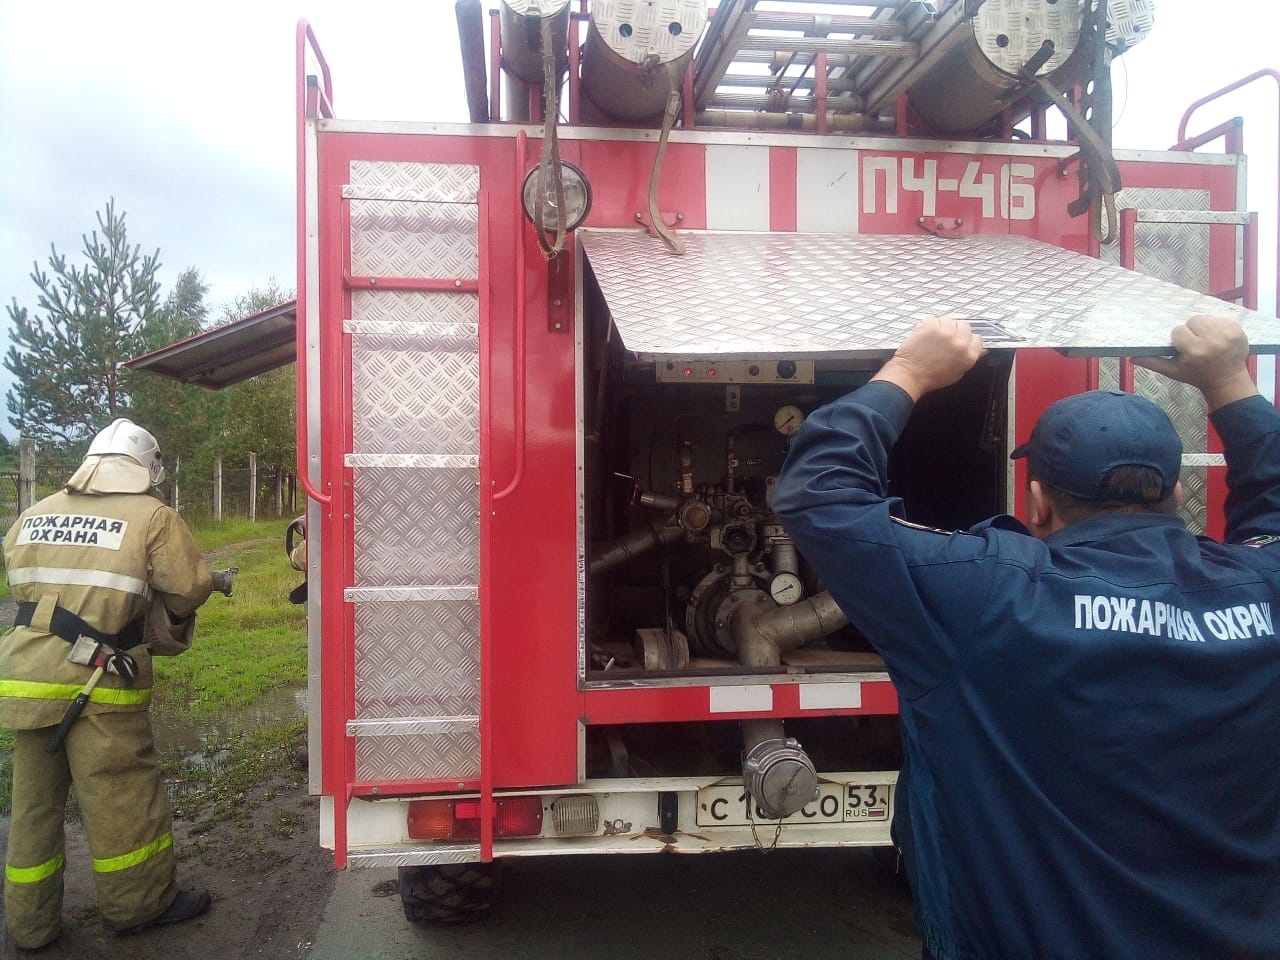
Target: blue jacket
column 1091, row 723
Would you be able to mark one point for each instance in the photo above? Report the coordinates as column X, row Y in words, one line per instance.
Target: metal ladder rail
column 1247, row 290
column 1234, row 137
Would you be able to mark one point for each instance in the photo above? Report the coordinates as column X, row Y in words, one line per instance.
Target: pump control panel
column 735, row 371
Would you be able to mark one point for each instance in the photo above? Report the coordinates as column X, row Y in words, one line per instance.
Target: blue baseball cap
column 1079, row 439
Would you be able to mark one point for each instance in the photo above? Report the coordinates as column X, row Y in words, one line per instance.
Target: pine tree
column 180, row 416
column 66, row 356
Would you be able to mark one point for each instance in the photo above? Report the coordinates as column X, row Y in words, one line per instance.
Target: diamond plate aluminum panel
column 1175, row 252
column 1186, row 408
column 416, row 527
column 425, row 181
column 1108, row 373
column 402, row 856
column 415, row 394
column 449, row 332
column 1204, row 459
column 409, row 726
column 419, row 659
column 445, row 757
column 1010, row 32
column 414, row 306
column 1195, row 498
column 399, row 238
column 641, row 30
column 426, row 461
column 402, row 594
column 834, row 295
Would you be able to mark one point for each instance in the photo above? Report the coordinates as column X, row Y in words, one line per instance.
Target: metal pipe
column 518, row 374
column 658, row 501
column 756, row 732
column 471, row 41
column 767, row 57
column 635, row 544
column 784, row 558
column 810, row 23
column 495, row 62
column 761, row 636
column 843, row 122
column 870, row 48
column 834, row 84
column 1182, row 137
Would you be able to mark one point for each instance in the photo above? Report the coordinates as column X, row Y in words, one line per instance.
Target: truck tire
column 449, row 893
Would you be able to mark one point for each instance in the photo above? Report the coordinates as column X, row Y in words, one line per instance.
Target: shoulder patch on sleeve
column 1263, row 541
column 921, row 526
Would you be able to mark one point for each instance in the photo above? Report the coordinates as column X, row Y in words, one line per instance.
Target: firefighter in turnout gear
column 83, row 565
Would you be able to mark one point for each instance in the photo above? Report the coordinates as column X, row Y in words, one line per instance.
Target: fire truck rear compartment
column 681, row 543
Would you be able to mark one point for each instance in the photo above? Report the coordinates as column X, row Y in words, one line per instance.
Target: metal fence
column 246, row 493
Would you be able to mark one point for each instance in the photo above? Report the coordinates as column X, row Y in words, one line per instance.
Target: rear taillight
column 460, row 819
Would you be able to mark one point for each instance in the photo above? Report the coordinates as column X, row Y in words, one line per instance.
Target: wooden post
column 279, row 490
column 26, row 473
column 177, row 465
column 217, row 490
column 253, row 487
column 293, row 493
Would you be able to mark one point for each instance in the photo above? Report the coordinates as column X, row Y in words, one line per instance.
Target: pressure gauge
column 785, row 589
column 788, row 420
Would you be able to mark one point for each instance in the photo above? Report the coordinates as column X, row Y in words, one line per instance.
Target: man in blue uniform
column 1090, row 703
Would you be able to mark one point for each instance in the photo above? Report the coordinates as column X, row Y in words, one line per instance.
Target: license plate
column 727, row 805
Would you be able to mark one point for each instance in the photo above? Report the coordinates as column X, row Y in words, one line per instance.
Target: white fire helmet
column 126, row 438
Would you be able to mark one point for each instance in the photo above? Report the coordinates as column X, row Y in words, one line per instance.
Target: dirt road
column 269, row 879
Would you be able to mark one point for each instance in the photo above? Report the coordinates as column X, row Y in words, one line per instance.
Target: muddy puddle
column 203, row 744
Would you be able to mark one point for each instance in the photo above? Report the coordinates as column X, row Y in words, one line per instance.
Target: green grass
column 245, row 646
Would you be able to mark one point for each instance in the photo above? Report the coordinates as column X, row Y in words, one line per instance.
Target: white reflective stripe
column 826, row 191
column 737, row 191
column 744, row 699
column 80, row 578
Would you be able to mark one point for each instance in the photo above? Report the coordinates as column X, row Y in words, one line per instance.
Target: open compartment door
column 840, row 296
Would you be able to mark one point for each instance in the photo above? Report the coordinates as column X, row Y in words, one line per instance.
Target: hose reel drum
column 988, row 69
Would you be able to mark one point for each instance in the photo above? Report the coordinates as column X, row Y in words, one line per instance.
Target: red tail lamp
column 460, row 819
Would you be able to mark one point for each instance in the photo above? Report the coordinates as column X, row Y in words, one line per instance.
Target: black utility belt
column 70, row 627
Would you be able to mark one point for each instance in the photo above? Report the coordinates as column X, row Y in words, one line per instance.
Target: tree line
column 66, row 355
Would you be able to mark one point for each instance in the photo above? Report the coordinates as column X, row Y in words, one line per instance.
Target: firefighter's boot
column 186, row 905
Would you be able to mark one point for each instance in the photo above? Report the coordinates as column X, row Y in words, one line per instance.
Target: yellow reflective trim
column 34, row 874
column 36, row 690
column 133, row 858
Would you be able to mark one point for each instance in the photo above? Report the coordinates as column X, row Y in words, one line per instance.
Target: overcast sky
column 184, row 114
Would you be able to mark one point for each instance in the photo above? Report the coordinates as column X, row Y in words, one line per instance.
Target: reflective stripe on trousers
column 112, row 761
column 133, row 857
column 36, row 690
column 40, row 871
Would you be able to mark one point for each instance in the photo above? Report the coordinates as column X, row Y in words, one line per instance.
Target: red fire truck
column 549, row 362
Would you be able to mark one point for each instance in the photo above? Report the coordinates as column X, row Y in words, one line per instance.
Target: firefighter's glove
column 90, row 653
